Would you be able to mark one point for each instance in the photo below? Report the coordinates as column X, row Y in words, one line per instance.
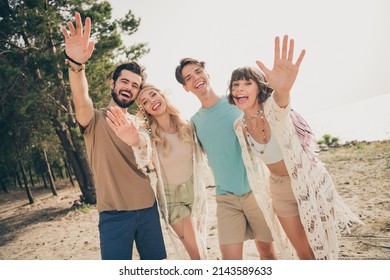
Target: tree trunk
column 49, row 173
column 31, row 176
column 68, row 172
column 26, row 184
column 3, row 185
column 18, row 180
column 60, row 173
column 44, row 179
column 79, row 164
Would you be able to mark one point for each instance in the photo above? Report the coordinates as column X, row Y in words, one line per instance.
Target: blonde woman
column 180, row 167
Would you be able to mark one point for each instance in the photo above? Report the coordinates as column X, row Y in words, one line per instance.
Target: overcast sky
column 347, row 44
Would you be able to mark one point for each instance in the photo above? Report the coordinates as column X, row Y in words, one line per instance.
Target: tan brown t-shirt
column 120, row 184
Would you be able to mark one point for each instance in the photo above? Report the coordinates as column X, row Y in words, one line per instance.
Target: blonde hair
column 183, row 128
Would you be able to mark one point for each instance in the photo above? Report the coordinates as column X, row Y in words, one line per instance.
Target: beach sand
column 55, row 228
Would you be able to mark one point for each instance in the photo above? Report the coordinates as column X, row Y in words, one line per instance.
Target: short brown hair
column 184, row 62
column 250, row 73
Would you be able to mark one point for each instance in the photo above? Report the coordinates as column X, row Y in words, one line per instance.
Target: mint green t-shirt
column 214, row 128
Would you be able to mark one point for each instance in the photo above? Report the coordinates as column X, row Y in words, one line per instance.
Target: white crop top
column 269, row 153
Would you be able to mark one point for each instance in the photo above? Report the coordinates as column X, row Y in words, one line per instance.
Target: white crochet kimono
column 321, row 209
column 199, row 209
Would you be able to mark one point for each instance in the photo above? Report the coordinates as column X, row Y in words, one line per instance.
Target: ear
column 112, row 84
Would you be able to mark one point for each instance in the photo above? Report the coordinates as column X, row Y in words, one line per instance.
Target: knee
column 266, row 250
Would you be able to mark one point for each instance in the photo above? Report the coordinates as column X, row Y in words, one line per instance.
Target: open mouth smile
column 156, row 106
column 240, row 98
column 200, row 84
column 126, row 94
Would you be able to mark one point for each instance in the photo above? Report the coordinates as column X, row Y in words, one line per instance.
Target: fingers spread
column 112, row 118
column 90, row 48
column 291, row 50
column 262, row 67
column 79, row 24
column 300, row 58
column 65, row 32
column 87, row 32
column 284, row 47
column 277, row 49
column 110, row 123
column 71, row 28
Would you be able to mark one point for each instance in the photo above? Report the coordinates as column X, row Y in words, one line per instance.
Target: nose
column 196, row 76
column 240, row 87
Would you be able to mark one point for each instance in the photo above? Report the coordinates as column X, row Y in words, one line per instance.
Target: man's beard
column 120, row 103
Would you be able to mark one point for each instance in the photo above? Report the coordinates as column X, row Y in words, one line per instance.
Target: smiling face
column 244, row 93
column 196, row 80
column 126, row 88
column 152, row 101
column 247, row 87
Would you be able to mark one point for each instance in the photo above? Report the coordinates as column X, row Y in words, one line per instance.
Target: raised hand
column 77, row 43
column 123, row 128
column 284, row 72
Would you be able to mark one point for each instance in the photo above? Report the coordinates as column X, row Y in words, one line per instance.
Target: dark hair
column 184, row 62
column 250, row 73
column 130, row 66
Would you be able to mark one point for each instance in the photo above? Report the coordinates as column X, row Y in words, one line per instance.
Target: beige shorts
column 283, row 198
column 239, row 218
column 180, row 199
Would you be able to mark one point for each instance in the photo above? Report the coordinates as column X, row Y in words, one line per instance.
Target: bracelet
column 72, row 60
column 74, row 69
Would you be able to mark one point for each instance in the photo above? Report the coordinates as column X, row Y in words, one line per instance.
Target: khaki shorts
column 239, row 218
column 180, row 199
column 283, row 198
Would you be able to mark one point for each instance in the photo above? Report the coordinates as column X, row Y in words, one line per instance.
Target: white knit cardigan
column 321, row 209
column 201, row 172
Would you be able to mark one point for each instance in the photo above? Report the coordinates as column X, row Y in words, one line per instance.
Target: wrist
column 74, row 67
column 72, row 60
column 141, row 142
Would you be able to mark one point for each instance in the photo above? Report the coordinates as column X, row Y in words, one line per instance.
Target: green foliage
column 327, row 139
column 35, row 96
column 84, row 208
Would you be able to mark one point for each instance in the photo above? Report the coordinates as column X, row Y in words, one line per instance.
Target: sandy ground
column 53, row 228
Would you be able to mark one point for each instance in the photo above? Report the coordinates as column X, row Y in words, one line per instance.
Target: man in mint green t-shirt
column 238, row 215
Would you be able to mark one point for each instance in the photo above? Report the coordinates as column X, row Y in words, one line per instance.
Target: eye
column 154, row 94
column 145, row 102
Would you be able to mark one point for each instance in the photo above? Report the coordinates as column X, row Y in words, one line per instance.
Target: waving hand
column 284, row 72
column 123, row 128
column 77, row 44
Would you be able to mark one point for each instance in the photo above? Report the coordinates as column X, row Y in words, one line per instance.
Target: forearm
column 282, row 99
column 79, row 88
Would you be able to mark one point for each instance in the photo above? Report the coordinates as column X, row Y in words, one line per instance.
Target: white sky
column 347, row 44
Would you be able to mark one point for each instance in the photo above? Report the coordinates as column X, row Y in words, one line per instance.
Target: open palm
column 77, row 44
column 123, row 128
column 284, row 72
